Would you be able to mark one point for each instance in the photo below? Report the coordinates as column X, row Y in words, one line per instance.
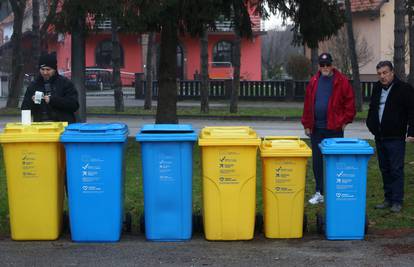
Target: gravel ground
column 387, row 248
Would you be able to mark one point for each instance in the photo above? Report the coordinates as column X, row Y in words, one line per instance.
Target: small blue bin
column 345, row 165
column 95, row 180
column 167, row 156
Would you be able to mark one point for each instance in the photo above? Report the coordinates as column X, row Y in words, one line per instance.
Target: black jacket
column 398, row 117
column 63, row 100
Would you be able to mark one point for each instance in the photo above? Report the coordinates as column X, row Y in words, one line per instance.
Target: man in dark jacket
column 329, row 106
column 391, row 119
column 51, row 97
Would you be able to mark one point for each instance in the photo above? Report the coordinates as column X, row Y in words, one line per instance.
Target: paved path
column 130, row 101
column 134, row 250
column 263, row 128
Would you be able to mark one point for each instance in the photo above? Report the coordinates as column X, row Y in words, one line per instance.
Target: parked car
column 97, row 79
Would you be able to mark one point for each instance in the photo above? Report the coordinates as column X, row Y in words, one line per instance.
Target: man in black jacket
column 391, row 120
column 51, row 97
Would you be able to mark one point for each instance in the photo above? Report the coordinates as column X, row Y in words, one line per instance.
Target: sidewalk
column 356, row 129
column 134, row 250
column 130, row 101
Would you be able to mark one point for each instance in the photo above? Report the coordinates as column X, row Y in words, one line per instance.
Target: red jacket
column 341, row 105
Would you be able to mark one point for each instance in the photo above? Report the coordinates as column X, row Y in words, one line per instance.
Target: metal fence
column 98, row 81
column 249, row 90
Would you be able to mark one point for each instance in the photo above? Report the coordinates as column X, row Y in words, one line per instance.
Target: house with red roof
column 134, row 49
column 373, row 22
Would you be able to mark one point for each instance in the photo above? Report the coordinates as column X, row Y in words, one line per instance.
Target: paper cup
column 26, row 117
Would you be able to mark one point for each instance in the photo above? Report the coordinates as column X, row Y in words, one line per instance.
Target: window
column 223, row 52
column 103, row 54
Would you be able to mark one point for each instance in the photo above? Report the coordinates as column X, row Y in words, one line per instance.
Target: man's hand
column 47, row 99
column 308, row 132
column 409, row 139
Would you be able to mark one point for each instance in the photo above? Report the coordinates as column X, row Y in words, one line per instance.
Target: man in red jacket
column 328, row 107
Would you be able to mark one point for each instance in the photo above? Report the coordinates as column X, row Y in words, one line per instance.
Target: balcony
column 104, row 25
column 226, row 25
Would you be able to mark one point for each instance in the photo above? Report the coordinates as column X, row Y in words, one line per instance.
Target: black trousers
column 317, row 136
column 391, row 154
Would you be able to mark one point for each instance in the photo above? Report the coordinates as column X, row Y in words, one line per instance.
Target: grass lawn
column 215, row 111
column 195, row 111
column 134, row 196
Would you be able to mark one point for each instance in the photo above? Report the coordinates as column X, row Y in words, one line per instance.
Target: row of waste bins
column 35, row 167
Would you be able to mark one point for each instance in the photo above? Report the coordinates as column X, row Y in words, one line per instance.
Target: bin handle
column 237, row 129
column 287, row 137
column 349, row 141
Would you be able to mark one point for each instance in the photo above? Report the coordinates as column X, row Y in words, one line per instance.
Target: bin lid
column 228, row 136
column 35, row 132
column 284, row 146
column 166, row 133
column 95, row 133
column 345, row 146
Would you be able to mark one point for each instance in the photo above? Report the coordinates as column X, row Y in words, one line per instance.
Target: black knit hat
column 325, row 58
column 48, row 60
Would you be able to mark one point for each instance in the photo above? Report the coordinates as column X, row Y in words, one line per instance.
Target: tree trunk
column 36, row 34
column 204, row 82
column 411, row 41
column 399, row 38
column 149, row 79
column 314, row 60
column 78, row 64
column 116, row 67
column 234, row 99
column 167, row 85
column 353, row 56
column 16, row 83
column 45, row 26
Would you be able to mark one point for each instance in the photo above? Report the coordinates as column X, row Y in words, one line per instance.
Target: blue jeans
column 391, row 153
column 317, row 136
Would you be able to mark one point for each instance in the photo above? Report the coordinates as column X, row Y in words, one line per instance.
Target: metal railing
column 133, row 84
column 279, row 90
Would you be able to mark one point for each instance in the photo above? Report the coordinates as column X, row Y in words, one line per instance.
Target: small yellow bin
column 284, row 161
column 229, row 182
column 35, row 168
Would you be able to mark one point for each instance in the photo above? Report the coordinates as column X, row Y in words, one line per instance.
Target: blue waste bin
column 167, row 155
column 95, row 180
column 345, row 180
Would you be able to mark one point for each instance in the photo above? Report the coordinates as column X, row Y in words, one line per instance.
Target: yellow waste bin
column 284, row 161
column 229, row 182
column 34, row 161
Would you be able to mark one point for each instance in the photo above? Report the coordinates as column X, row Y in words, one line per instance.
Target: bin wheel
column 142, row 224
column 127, row 227
column 366, row 223
column 305, row 223
column 198, row 223
column 65, row 223
column 258, row 226
column 320, row 224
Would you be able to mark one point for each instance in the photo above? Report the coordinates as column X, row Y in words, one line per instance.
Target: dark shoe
column 396, row 207
column 383, row 205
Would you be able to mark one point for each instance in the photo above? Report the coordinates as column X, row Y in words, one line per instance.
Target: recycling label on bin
column 28, row 160
column 91, row 176
column 166, row 163
column 227, row 165
column 345, row 178
column 283, row 171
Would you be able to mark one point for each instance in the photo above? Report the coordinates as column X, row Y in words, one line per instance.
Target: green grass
column 216, row 111
column 134, row 196
column 195, row 111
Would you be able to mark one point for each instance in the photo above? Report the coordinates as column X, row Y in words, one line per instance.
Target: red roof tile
column 365, row 5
